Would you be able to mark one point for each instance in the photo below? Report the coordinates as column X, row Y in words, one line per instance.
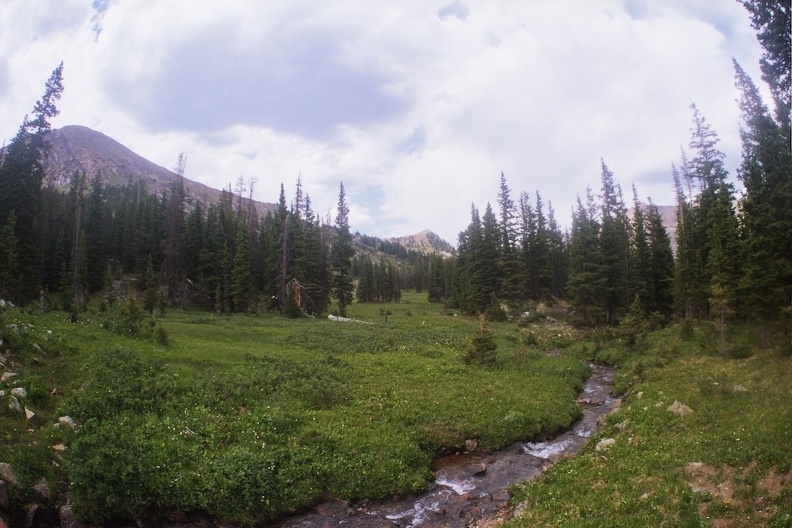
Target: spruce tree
column 21, row 177
column 341, row 256
column 512, row 275
column 587, row 274
column 242, row 278
column 614, row 240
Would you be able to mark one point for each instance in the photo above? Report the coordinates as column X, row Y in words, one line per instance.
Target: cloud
column 416, row 106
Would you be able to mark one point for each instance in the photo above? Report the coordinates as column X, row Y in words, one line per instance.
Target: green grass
column 729, row 462
column 252, row 417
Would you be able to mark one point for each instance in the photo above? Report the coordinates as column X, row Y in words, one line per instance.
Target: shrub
column 482, row 349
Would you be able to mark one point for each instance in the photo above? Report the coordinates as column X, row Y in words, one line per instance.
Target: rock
column 13, row 405
column 8, row 375
column 471, row 444
column 605, row 443
column 481, row 470
column 67, row 420
column 680, row 409
column 19, row 391
column 4, row 504
column 59, row 447
column 2, row 393
column 42, row 491
column 623, row 425
column 7, row 474
column 29, row 414
column 739, row 388
column 67, row 519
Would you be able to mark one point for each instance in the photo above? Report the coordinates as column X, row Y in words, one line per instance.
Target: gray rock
column 8, row 375
column 42, row 491
column 471, row 444
column 13, row 405
column 680, row 409
column 4, row 504
column 19, row 391
column 67, row 420
column 67, row 519
column 7, row 474
column 605, row 443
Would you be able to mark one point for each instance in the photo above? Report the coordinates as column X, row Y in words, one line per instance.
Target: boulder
column 605, row 443
column 41, row 491
column 680, row 409
column 13, row 405
column 67, row 519
column 67, row 420
column 4, row 504
column 7, row 474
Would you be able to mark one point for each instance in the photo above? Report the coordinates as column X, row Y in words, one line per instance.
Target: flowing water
column 470, row 489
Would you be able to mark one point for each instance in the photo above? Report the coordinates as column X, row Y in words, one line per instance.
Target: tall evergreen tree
column 765, row 207
column 174, row 234
column 661, row 259
column 242, row 277
column 341, row 256
column 9, row 264
column 615, row 248
column 512, row 275
column 21, row 177
column 640, row 262
column 587, row 277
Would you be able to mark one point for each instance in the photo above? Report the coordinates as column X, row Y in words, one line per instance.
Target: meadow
column 251, row 417
column 703, row 438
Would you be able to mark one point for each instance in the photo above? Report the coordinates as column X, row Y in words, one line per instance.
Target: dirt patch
column 734, row 498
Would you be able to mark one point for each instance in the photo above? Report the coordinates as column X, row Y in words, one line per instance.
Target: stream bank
column 470, row 490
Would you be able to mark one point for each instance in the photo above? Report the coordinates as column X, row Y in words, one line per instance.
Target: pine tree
column 640, row 261
column 174, row 234
column 95, row 240
column 587, row 274
column 9, row 271
column 765, row 207
column 661, row 260
column 21, row 177
column 242, row 278
column 512, row 275
column 615, row 246
column 341, row 256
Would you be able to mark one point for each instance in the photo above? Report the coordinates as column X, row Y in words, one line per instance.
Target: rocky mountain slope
column 80, row 149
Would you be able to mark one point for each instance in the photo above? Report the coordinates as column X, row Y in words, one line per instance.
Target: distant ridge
column 76, row 148
column 425, row 242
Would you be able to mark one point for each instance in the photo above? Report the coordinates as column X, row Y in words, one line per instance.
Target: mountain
column 80, row 149
column 425, row 242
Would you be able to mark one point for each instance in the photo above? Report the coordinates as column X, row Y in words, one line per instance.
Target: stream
column 470, row 489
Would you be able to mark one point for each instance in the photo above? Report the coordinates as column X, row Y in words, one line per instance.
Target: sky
column 417, row 106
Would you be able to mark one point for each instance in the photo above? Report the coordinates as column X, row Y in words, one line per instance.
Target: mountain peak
column 426, row 242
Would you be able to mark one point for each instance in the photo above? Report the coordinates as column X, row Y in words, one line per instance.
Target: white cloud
column 416, row 106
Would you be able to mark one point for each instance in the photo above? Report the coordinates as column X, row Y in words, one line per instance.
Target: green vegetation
column 729, row 461
column 252, row 417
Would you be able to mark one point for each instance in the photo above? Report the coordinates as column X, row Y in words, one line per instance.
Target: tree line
column 733, row 251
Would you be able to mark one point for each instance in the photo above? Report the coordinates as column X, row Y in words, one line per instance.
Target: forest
column 733, row 247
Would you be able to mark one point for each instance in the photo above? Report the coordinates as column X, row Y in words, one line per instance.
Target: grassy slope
column 726, row 464
column 256, row 416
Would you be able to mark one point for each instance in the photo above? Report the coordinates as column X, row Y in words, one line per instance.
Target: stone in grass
column 14, row 405
column 605, row 443
column 8, row 375
column 67, row 420
column 7, row 474
column 680, row 409
column 29, row 414
column 42, row 492
column 19, row 391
